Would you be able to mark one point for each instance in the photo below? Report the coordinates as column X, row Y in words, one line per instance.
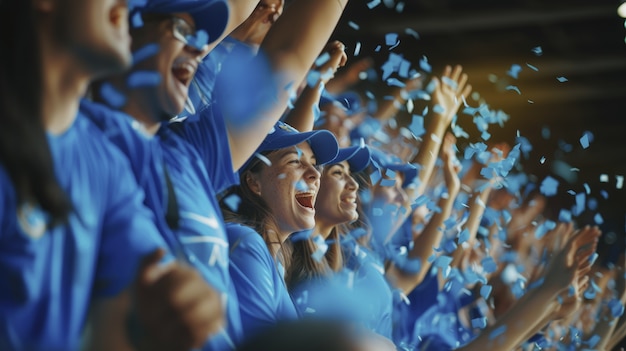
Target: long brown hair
column 24, row 150
column 253, row 211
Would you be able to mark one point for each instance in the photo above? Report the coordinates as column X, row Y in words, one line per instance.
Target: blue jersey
column 263, row 296
column 48, row 276
column 200, row 237
column 370, row 276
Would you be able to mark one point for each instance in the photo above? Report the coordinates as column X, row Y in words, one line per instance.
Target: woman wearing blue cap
column 73, row 229
column 275, row 198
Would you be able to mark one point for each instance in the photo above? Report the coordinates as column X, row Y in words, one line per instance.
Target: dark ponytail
column 24, row 151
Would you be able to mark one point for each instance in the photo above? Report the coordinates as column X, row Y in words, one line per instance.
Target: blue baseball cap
column 209, row 15
column 383, row 160
column 323, row 143
column 358, row 157
column 349, row 101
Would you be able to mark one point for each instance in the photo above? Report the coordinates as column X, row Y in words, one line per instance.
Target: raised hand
column 254, row 29
column 572, row 262
column 450, row 91
column 451, row 165
column 175, row 307
column 337, row 58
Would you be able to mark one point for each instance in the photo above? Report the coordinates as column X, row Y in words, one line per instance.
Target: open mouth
column 183, row 71
column 305, row 199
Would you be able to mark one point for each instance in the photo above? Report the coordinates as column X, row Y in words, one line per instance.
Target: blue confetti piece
column 542, row 160
column 480, row 323
column 537, row 50
column 353, row 25
column 199, row 40
column 497, row 332
column 584, row 141
column 532, row 67
column 489, row 265
column 565, row 216
column 593, row 341
column 136, row 21
column 391, row 39
column 263, row 159
column 140, row 79
column 463, row 236
column 439, row 109
column 561, row 79
column 375, row 176
column 449, row 82
column 587, row 188
column 485, row 291
column 616, row 307
column 545, row 132
column 388, row 182
column 514, row 88
column 593, row 257
column 377, row 49
column 233, row 202
column 373, row 4
column 322, row 59
column 357, row 48
column 412, row 33
column 111, row 96
column 145, row 52
column 424, row 65
column 514, row 71
column 537, row 283
column 598, row 219
column 549, row 186
column 394, row 82
column 417, row 126
column 580, row 204
column 485, row 135
column 442, row 261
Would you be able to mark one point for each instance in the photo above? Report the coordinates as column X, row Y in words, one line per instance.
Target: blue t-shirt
column 48, row 276
column 259, row 281
column 200, row 237
column 370, row 276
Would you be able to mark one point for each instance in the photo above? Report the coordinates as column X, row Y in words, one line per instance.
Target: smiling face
column 289, row 187
column 95, row 32
column 336, row 200
column 176, row 62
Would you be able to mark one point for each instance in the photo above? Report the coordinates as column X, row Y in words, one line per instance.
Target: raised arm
column 290, row 47
column 448, row 96
column 302, row 116
column 430, row 237
column 521, row 320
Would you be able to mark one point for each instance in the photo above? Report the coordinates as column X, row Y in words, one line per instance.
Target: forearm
column 428, row 151
column 302, row 116
column 476, row 211
column 519, row 322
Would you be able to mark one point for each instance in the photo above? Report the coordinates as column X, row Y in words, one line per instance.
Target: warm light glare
column 621, row 10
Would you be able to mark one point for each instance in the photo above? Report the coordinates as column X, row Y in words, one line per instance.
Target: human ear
column 253, row 183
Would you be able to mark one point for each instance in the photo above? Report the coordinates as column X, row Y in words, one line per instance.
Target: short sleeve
column 129, row 232
column 207, row 133
column 252, row 271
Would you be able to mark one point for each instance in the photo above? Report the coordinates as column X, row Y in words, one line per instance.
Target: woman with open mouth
column 276, row 197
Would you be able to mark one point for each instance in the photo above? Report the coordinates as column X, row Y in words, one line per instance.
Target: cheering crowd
column 202, row 174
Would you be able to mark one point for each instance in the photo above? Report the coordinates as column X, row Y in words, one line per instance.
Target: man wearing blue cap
column 73, row 229
column 180, row 190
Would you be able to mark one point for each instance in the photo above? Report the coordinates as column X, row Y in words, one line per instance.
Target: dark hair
column 24, row 151
column 254, row 212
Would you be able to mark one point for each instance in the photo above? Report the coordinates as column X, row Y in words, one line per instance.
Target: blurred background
column 556, row 68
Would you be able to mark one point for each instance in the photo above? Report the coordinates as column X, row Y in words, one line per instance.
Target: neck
column 138, row 105
column 64, row 83
column 323, row 229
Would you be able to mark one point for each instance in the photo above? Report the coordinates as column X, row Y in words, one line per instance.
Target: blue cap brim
column 323, row 144
column 358, row 157
column 209, row 15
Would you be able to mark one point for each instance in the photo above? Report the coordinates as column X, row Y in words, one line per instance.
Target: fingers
column 150, row 270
